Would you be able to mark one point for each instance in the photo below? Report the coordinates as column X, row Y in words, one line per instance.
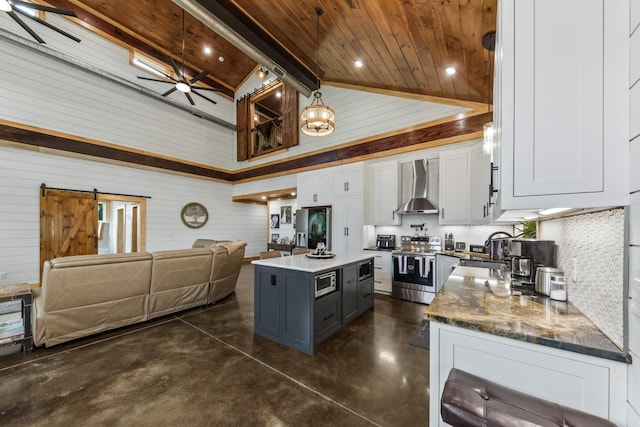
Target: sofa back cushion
column 227, row 262
column 86, row 294
column 179, row 280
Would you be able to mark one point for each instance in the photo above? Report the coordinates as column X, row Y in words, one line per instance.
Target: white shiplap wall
column 360, row 115
column 22, row 172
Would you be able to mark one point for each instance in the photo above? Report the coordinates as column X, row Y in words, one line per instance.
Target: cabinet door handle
column 273, row 280
column 378, row 268
column 442, row 210
column 328, row 317
column 315, row 198
column 366, row 295
column 484, row 211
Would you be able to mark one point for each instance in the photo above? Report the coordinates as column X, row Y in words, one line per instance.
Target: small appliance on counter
column 461, row 246
column 477, row 249
column 529, row 254
column 386, row 241
column 448, row 242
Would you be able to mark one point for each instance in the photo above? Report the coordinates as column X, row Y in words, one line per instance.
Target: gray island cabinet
column 286, row 309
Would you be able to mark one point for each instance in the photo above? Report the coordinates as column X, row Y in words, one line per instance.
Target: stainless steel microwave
column 326, row 283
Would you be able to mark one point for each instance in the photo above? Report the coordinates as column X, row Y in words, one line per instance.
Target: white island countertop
column 312, row 265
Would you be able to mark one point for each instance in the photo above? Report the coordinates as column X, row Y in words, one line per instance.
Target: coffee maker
column 529, row 254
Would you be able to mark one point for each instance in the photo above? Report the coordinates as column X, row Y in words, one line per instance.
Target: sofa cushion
column 179, row 280
column 225, row 269
column 83, row 295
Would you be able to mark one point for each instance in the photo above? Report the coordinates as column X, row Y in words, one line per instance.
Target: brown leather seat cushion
column 471, row 401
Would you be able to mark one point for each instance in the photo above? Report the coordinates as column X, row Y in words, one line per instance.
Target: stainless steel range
column 414, row 268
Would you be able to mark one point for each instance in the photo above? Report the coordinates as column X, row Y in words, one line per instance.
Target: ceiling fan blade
column 189, row 98
column 170, row 91
column 46, row 24
column 207, row 88
column 201, row 95
column 25, row 26
column 156, row 80
column 175, row 68
column 44, row 8
column 199, row 76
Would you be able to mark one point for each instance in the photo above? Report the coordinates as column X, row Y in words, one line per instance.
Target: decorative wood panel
column 243, row 121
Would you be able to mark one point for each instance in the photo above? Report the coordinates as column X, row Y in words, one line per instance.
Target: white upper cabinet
column 454, row 187
column 383, row 194
column 563, row 109
column 479, row 179
column 347, row 179
column 314, row 188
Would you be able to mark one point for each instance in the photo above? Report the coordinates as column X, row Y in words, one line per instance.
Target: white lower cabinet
column 586, row 383
column 382, row 277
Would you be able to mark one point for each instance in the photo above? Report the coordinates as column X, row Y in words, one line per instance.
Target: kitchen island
column 300, row 301
column 524, row 341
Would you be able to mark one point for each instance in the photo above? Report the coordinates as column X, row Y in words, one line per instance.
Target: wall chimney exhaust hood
column 419, row 203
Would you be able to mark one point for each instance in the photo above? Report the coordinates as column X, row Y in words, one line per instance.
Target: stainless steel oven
column 414, row 269
column 413, row 277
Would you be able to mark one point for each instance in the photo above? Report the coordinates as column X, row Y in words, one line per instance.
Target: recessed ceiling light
column 450, row 71
column 293, row 194
column 221, row 58
column 359, row 63
column 278, row 94
column 264, row 197
column 207, row 50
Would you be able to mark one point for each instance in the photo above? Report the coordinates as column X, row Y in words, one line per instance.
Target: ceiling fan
column 181, row 82
column 13, row 6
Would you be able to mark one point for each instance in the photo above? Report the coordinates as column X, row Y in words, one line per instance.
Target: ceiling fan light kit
column 317, row 119
column 181, row 83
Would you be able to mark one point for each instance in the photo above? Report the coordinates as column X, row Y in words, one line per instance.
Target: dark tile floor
column 207, row 367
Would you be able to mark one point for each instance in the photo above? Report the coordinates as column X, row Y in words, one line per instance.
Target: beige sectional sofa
column 87, row 294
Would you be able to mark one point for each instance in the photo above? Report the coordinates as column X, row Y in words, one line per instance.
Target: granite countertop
column 312, row 265
column 482, row 299
column 467, row 255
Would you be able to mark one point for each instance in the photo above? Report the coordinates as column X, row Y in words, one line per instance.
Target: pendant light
column 317, row 119
column 489, row 43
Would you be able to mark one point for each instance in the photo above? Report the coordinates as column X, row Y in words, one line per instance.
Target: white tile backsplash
column 596, row 241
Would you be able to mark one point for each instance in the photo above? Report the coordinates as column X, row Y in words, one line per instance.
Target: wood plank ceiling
column 405, row 45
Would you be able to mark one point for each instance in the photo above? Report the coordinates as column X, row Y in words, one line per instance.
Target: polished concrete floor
column 206, row 367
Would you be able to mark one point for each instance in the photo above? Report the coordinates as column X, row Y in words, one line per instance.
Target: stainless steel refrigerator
column 313, row 225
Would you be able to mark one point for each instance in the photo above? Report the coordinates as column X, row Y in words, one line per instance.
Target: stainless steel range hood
column 419, row 203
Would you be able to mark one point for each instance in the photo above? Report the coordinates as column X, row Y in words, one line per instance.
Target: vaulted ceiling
column 404, row 45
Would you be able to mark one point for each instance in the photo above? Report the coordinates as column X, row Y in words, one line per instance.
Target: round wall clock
column 194, row 215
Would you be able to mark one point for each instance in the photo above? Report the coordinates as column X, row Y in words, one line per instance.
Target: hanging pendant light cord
column 183, row 74
column 319, row 13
